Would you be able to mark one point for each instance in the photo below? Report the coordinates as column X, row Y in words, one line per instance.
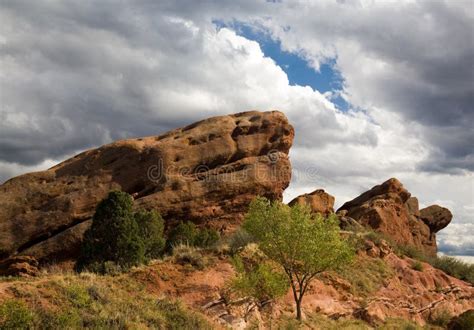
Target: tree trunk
column 298, row 310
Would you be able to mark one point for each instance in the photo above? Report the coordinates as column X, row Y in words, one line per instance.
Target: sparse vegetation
column 258, row 278
column 396, row 324
column 119, row 238
column 187, row 233
column 449, row 265
column 441, row 318
column 93, row 302
column 454, row 267
column 418, row 266
column 185, row 254
column 366, row 275
column 15, row 314
column 304, row 245
column 318, row 321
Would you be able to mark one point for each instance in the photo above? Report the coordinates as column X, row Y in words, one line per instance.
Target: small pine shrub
column 187, row 233
column 119, row 238
column 15, row 315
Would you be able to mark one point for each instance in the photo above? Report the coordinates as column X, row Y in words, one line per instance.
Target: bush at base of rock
column 261, row 281
column 151, row 227
column 120, row 237
column 187, row 233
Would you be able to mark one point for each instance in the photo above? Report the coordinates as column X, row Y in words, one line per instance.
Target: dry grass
column 90, row 301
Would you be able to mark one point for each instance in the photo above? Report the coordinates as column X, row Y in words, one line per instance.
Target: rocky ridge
column 207, row 172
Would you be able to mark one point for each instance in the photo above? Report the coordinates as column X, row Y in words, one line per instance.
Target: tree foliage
column 120, row 236
column 259, row 280
column 303, row 244
column 151, row 227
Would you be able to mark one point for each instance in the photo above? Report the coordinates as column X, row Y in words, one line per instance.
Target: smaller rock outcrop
column 390, row 209
column 436, row 217
column 19, row 266
column 318, row 201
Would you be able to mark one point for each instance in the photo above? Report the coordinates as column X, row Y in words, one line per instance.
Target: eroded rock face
column 389, row 209
column 207, row 172
column 318, row 201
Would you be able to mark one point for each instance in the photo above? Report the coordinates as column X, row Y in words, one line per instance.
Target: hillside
column 376, row 291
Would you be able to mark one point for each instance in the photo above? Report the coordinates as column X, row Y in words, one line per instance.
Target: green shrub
column 418, row 266
column 206, row 237
column 260, row 281
column 187, row 233
column 120, row 238
column 151, row 226
column 15, row 315
column 183, row 233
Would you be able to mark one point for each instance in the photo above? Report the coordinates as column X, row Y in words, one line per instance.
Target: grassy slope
column 144, row 298
column 91, row 301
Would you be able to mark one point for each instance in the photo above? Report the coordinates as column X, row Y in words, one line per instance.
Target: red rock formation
column 389, row 209
column 318, row 201
column 206, row 172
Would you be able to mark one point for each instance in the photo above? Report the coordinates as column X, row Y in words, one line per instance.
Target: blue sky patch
column 296, row 67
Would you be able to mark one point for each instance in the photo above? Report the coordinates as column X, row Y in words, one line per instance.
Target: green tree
column 151, row 227
column 114, row 235
column 303, row 244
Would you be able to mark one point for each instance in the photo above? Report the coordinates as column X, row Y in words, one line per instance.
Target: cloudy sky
column 375, row 89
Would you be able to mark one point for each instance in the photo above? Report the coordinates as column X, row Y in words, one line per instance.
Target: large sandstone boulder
column 318, row 201
column 388, row 208
column 207, row 172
